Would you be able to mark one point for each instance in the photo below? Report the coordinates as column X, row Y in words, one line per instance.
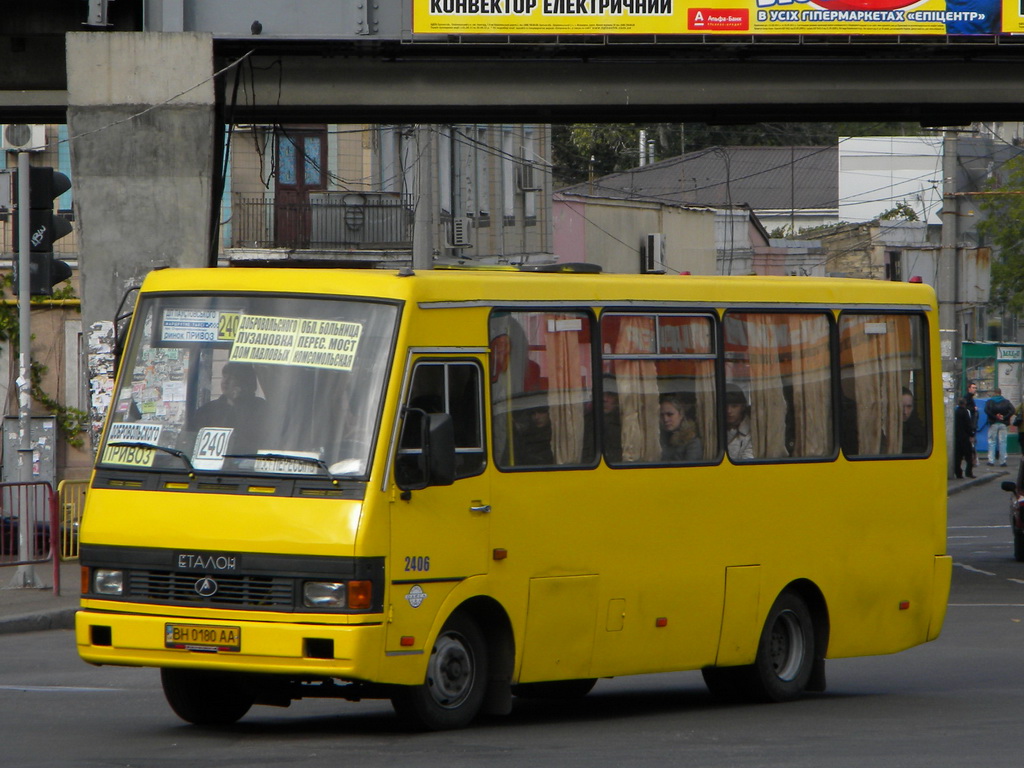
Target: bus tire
column 453, row 692
column 784, row 661
column 205, row 697
column 785, row 654
column 555, row 689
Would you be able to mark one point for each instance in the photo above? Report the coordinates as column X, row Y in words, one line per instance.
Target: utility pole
column 423, row 234
column 25, row 575
column 947, row 287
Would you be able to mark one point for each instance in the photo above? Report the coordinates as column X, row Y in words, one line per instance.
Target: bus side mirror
column 434, row 462
column 1009, row 486
column 439, row 449
column 121, row 322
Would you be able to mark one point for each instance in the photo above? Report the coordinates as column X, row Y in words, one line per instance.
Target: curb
column 975, row 481
column 62, row 618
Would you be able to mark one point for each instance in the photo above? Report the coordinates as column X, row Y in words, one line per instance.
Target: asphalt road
column 954, row 702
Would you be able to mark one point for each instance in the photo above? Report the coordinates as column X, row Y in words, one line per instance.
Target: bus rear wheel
column 205, row 697
column 784, row 661
column 785, row 655
column 453, row 692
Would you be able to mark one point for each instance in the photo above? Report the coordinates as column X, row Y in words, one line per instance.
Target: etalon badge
column 416, row 596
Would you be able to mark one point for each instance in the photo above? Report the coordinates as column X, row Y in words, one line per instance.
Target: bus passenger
column 915, row 437
column 737, row 424
column 612, row 419
column 679, row 439
column 533, row 438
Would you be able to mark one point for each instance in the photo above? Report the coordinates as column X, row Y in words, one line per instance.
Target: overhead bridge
column 549, row 60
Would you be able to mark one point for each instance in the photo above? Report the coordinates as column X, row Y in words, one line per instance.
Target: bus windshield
column 252, row 384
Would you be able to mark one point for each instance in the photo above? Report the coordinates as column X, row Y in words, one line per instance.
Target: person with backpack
column 1000, row 412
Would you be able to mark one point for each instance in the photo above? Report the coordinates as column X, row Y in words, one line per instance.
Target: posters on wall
column 718, row 17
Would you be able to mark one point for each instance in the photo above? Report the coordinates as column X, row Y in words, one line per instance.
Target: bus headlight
column 324, row 594
column 108, row 582
column 354, row 595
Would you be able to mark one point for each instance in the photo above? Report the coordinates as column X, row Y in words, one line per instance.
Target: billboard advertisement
column 718, row 17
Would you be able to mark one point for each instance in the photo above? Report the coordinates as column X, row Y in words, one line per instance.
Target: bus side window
column 446, row 387
column 542, row 389
column 660, row 369
column 778, row 369
column 884, row 385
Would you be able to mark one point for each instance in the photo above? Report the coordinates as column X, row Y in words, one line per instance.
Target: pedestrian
column 972, row 408
column 999, row 411
column 963, row 439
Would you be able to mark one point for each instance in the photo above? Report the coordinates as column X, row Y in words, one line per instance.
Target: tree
column 902, row 211
column 1003, row 229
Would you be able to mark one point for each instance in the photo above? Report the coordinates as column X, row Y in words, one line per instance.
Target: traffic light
column 45, row 271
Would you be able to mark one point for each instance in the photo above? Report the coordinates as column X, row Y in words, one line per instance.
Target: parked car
column 1016, row 491
column 9, row 530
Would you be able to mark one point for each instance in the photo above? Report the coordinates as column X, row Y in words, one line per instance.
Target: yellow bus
column 449, row 488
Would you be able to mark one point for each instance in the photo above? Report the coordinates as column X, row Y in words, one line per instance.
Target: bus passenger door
column 440, row 535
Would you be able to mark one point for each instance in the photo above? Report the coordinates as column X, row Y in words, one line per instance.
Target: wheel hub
column 786, row 646
column 450, row 674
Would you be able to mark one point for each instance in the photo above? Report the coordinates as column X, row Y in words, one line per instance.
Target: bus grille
column 266, row 592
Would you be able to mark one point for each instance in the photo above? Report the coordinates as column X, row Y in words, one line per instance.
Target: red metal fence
column 30, row 508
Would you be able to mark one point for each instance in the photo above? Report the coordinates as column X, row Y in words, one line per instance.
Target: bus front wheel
column 453, row 692
column 205, row 697
column 784, row 661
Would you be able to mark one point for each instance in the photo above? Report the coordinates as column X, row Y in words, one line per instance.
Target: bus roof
column 498, row 287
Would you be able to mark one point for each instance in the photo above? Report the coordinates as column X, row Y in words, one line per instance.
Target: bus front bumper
column 349, row 652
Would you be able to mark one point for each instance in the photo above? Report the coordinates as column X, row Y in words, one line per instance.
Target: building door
column 301, row 169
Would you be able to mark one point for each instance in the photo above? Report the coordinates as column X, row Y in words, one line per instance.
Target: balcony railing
column 329, row 221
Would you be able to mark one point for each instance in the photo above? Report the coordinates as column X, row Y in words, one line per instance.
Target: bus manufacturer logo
column 416, row 596
column 206, row 587
column 194, row 561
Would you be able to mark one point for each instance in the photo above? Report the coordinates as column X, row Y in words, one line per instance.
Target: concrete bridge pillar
column 141, row 120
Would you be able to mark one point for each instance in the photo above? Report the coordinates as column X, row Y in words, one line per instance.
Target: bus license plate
column 202, row 637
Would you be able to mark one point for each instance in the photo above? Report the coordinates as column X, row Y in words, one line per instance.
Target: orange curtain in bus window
column 872, row 348
column 767, row 397
column 563, row 337
column 509, row 363
column 811, row 383
column 637, row 382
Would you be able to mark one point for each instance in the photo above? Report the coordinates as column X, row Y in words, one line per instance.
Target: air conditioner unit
column 652, row 254
column 527, row 178
column 24, row 137
column 461, row 227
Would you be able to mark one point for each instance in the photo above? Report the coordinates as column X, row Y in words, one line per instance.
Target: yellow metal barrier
column 70, row 502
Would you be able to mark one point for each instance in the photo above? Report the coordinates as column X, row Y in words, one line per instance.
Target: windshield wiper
column 153, row 446
column 285, row 457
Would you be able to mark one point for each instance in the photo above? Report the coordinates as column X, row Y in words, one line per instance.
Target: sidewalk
column 31, row 610
column 983, row 473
